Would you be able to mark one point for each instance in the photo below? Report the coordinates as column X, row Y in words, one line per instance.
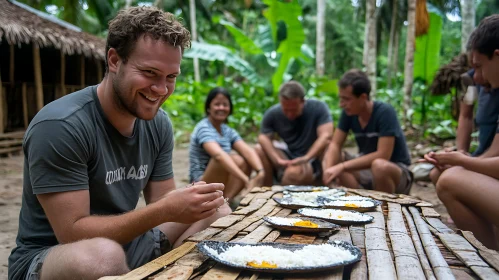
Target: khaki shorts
column 365, row 176
column 140, row 251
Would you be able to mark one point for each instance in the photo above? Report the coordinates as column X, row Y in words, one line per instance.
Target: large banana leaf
column 427, row 52
column 211, row 52
column 242, row 40
column 289, row 13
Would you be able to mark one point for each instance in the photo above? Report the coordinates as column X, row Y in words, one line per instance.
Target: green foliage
column 427, row 51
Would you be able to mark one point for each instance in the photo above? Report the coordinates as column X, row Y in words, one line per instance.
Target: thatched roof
column 449, row 75
column 21, row 24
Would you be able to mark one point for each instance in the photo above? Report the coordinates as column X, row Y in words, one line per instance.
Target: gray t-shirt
column 301, row 133
column 383, row 122
column 205, row 132
column 486, row 118
column 70, row 145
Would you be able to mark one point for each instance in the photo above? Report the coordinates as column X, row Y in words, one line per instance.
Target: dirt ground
column 11, row 191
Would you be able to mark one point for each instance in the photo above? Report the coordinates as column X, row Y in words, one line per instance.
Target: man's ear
column 113, row 60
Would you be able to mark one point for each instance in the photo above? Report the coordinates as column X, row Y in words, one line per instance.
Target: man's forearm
column 332, row 156
column 228, row 163
column 318, row 147
column 362, row 162
column 268, row 148
column 493, row 150
column 464, row 134
column 120, row 228
column 485, row 166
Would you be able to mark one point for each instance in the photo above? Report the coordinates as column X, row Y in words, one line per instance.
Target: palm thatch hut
column 41, row 59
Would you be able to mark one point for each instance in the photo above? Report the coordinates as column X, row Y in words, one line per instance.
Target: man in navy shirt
column 383, row 156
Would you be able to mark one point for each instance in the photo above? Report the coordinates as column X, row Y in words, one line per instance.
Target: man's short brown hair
column 132, row 23
column 292, row 90
column 358, row 80
column 485, row 38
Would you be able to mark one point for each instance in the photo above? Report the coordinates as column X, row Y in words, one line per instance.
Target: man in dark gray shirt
column 383, row 158
column 90, row 154
column 305, row 126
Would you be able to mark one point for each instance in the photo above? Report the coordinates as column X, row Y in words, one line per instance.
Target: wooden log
column 265, row 195
column 175, row 272
column 157, row 264
column 38, row 77
column 227, row 221
column 359, row 270
column 343, row 235
column 438, row 225
column 490, row 256
column 62, row 82
column 258, row 234
column 430, row 212
column 11, row 65
column 9, row 143
column 25, row 105
column 12, row 135
column 440, row 266
column 379, row 259
column 272, row 236
column 485, row 273
column 10, row 150
column 194, row 259
column 460, row 274
column 423, row 259
column 82, row 71
column 406, row 258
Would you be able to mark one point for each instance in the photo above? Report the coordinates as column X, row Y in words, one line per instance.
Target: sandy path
column 11, row 191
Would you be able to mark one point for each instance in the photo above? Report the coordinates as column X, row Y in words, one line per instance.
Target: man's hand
column 192, row 203
column 283, row 162
column 299, row 160
column 332, row 172
column 449, row 158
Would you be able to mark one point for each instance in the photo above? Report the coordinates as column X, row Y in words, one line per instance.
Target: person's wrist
column 343, row 166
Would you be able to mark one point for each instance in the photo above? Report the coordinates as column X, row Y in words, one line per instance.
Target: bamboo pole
column 38, row 77
column 406, row 258
column 379, row 259
column 63, row 74
column 440, row 266
column 82, row 71
column 192, row 13
column 12, row 62
column 25, row 106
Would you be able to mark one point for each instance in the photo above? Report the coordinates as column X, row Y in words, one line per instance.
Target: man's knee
column 448, row 181
column 100, row 257
column 435, row 175
column 239, row 160
column 381, row 166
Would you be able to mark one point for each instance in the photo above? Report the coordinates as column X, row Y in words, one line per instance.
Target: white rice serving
column 351, row 203
column 311, row 197
column 297, row 201
column 335, row 214
column 308, row 256
column 353, row 197
column 285, row 221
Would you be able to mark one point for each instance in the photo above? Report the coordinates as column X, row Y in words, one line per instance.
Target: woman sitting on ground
column 210, row 154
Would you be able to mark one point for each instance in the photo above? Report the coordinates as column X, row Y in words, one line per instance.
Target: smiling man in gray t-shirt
column 305, row 126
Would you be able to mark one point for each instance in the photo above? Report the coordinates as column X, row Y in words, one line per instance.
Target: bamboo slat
column 423, row 259
column 440, row 266
column 406, row 258
column 204, row 234
column 247, row 199
column 359, row 270
column 490, row 256
column 221, row 272
column 252, row 207
column 430, row 212
column 227, row 221
column 468, row 254
column 424, row 204
column 258, row 234
column 176, row 272
column 158, row 263
column 266, row 195
column 438, row 225
column 193, row 259
column 379, row 259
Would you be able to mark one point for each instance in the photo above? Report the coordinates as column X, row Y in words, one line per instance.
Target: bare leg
column 86, row 259
column 471, row 199
column 348, row 180
column 386, row 175
column 298, row 175
column 177, row 232
column 234, row 185
column 267, row 166
column 435, row 175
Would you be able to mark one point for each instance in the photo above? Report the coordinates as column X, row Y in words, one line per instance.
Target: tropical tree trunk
column 194, row 33
column 395, row 59
column 391, row 43
column 128, row 3
column 409, row 60
column 369, row 59
column 467, row 21
column 321, row 37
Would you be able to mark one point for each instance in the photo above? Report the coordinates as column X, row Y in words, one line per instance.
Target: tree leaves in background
column 427, row 53
column 211, row 52
column 242, row 40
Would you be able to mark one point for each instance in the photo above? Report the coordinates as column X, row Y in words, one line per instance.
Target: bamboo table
column 406, row 240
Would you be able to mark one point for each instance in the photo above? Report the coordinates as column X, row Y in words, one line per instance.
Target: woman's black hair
column 212, row 94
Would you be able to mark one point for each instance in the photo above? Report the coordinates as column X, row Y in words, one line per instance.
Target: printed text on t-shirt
column 121, row 174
